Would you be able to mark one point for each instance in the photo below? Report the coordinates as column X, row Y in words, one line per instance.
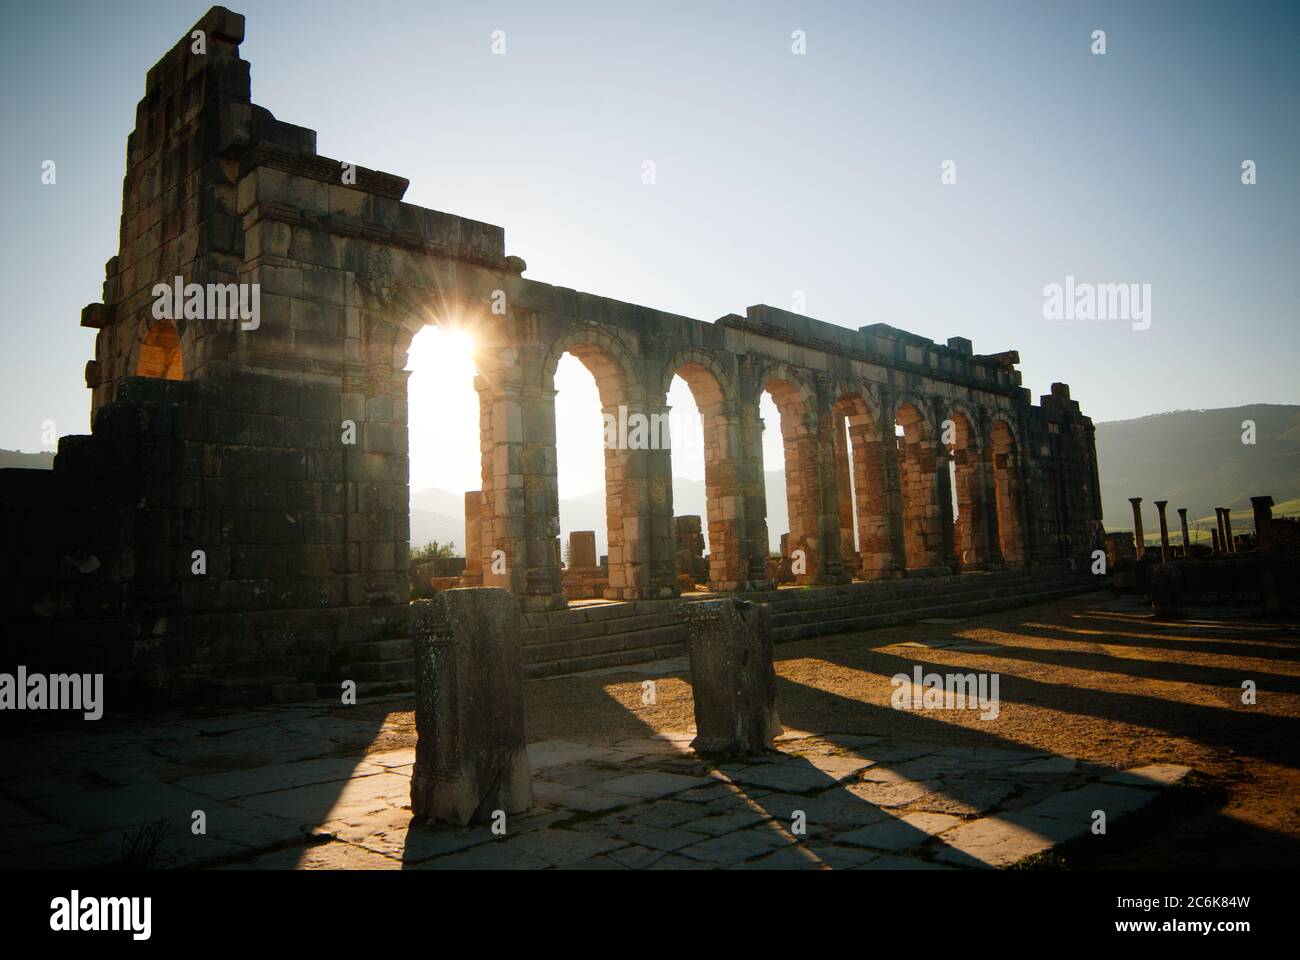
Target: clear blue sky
column 776, row 172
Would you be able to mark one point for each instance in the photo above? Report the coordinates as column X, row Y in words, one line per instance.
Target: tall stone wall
column 314, row 526
column 190, row 543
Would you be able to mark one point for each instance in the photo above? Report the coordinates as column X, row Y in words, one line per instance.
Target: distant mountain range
column 1196, row 459
column 439, row 515
column 28, row 461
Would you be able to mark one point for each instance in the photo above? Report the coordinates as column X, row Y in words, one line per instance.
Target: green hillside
column 1196, row 459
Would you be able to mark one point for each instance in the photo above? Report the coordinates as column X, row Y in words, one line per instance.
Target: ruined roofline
column 253, row 135
column 889, row 346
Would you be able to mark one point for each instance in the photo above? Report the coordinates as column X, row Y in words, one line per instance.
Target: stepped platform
column 600, row 634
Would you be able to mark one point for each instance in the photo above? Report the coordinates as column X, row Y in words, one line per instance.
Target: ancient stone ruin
column 239, row 513
column 470, row 757
column 1259, row 568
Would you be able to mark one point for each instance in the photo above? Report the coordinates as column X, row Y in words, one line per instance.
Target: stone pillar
column 639, row 503
column 521, row 512
column 1263, row 507
column 724, row 472
column 946, row 541
column 470, row 756
column 584, row 579
column 1164, row 530
column 891, row 446
column 844, row 494
column 732, row 678
column 1139, row 540
column 1231, row 546
column 1223, row 536
column 753, row 493
column 811, row 498
column 874, row 558
column 1187, row 540
column 689, row 535
column 1167, row 590
column 1214, row 540
column 473, row 573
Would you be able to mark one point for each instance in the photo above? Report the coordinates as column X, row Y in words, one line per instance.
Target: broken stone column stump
column 1166, row 590
column 732, row 677
column 470, row 756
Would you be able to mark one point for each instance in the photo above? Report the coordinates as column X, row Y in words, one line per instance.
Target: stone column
column 894, row 498
column 753, row 492
column 725, row 502
column 732, row 678
column 1167, row 590
column 1231, row 546
column 1263, row 507
column 470, row 751
column 844, row 494
column 1187, row 540
column 473, row 573
column 1223, row 536
column 946, row 541
column 816, row 453
column 1214, row 540
column 811, row 499
column 639, row 503
column 873, row 517
column 1164, row 530
column 521, row 514
column 1139, row 540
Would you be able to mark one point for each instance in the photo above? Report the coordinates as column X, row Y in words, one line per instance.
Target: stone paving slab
column 733, row 848
column 554, row 753
column 317, row 804
column 284, row 776
column 1154, row 776
column 102, row 810
column 294, row 789
column 900, row 833
column 653, row 785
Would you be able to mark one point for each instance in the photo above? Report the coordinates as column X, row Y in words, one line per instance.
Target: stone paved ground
column 321, row 786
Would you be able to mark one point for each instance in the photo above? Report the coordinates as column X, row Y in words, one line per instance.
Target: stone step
column 562, row 632
column 819, row 598
column 371, row 688
column 862, row 608
column 372, row 651
column 601, row 661
column 871, row 603
column 379, row 670
column 919, row 581
column 817, row 628
column 674, row 633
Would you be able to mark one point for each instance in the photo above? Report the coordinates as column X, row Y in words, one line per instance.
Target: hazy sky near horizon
column 776, row 173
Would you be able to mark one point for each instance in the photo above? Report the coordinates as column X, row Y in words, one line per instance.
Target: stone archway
column 809, row 464
column 860, row 485
column 715, row 397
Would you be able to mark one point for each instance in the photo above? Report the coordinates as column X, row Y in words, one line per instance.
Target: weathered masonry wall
column 250, row 457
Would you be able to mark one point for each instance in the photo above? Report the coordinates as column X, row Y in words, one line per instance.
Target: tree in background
column 433, row 550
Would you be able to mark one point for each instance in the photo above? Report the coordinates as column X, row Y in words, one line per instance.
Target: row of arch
column 878, row 482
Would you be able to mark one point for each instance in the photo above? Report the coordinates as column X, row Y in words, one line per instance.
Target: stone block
column 470, row 754
column 733, row 680
column 582, row 548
